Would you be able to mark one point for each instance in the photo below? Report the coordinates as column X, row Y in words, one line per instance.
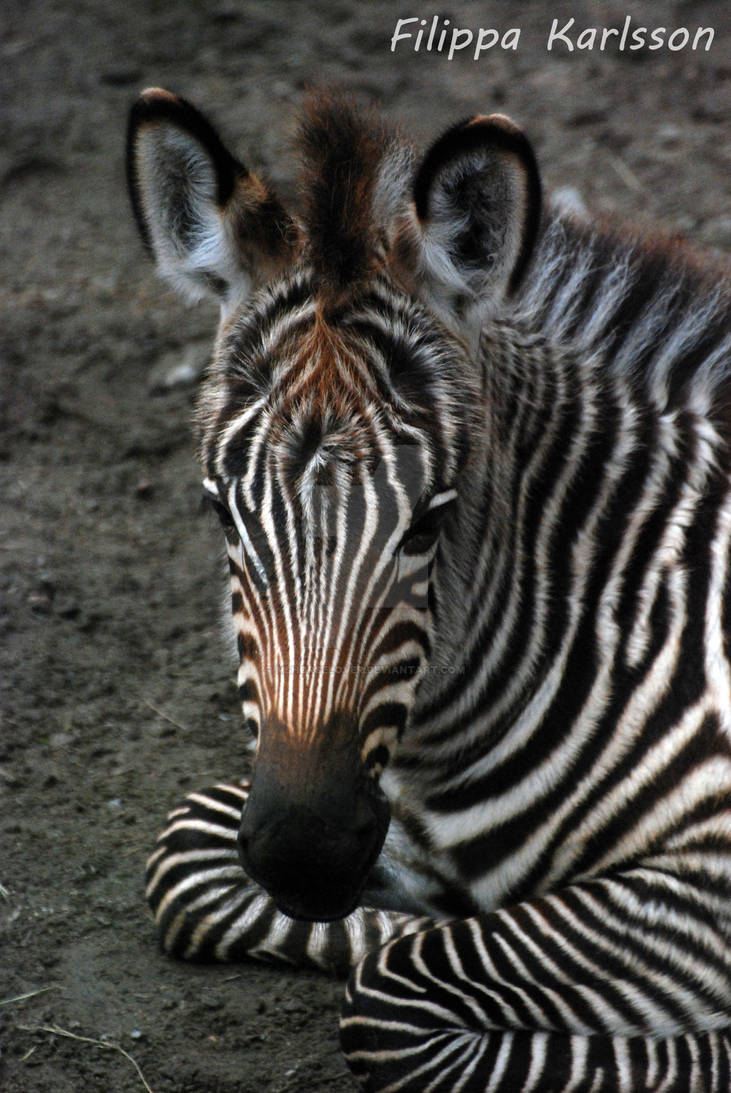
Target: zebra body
column 474, row 479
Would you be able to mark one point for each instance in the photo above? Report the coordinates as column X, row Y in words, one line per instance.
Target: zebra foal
column 471, row 457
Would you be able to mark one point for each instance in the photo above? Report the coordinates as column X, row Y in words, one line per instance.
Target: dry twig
column 28, row 994
column 164, row 716
column 54, row 1030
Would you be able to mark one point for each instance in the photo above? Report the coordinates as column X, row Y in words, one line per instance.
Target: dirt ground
column 116, row 688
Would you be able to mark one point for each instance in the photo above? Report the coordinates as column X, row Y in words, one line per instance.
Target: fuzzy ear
column 211, row 225
column 477, row 197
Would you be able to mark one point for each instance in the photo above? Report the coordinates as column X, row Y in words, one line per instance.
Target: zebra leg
column 620, row 985
column 206, row 908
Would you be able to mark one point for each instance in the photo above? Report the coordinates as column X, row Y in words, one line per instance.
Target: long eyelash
column 221, row 511
column 423, row 533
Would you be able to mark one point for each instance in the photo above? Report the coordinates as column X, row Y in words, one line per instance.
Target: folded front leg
column 615, row 984
column 206, row 907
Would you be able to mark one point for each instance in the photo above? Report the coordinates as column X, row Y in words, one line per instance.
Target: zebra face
column 333, row 491
column 339, row 413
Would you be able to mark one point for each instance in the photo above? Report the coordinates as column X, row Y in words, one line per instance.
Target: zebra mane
column 657, row 311
column 344, row 152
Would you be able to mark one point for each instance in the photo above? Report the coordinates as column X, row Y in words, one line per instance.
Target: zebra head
column 335, row 423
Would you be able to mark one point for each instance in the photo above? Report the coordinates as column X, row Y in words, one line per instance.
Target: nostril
column 364, row 831
column 243, row 840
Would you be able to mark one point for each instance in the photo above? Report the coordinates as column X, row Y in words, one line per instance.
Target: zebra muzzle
column 310, row 840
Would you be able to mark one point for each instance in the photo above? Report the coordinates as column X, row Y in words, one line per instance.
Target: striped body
column 478, row 509
column 595, row 656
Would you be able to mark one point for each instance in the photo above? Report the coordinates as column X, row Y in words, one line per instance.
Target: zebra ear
column 477, row 197
column 212, row 226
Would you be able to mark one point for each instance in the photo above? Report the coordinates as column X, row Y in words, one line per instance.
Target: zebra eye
column 424, row 531
column 422, row 535
column 212, row 501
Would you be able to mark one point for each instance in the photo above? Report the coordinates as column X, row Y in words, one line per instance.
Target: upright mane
column 343, row 152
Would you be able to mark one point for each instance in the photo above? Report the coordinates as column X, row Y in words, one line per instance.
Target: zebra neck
column 593, row 424
column 494, row 564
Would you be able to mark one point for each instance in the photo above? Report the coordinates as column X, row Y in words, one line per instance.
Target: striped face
column 331, row 450
column 329, row 447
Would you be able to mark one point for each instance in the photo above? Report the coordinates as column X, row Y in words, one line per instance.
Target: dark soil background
column 116, row 688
